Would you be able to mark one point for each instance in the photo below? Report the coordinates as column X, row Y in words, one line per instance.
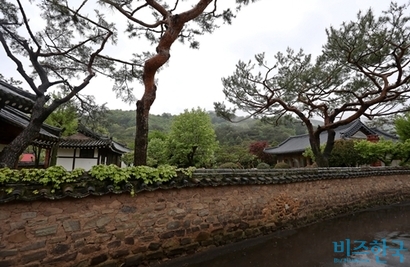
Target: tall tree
column 402, row 124
column 171, row 21
column 65, row 50
column 364, row 70
column 192, row 139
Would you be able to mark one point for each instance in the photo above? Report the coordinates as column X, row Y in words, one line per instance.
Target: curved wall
column 121, row 230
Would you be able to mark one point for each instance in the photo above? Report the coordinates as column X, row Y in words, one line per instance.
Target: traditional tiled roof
column 78, row 143
column 298, row 143
column 49, row 135
column 87, row 139
column 15, row 97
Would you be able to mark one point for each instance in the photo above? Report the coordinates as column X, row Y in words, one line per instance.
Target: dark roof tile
column 298, row 143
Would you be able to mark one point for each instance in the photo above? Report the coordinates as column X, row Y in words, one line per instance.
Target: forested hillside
column 234, row 139
column 121, row 126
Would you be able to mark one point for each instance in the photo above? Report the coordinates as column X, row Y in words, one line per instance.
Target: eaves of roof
column 21, row 120
column 16, row 98
column 85, row 144
column 118, row 148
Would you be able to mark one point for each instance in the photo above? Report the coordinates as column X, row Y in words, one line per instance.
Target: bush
column 229, row 165
column 263, row 165
column 281, row 165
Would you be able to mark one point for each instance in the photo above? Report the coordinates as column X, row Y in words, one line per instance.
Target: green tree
column 364, row 70
column 238, row 154
column 344, row 154
column 404, row 152
column 384, row 150
column 402, row 124
column 157, row 151
column 192, row 140
column 64, row 117
column 62, row 55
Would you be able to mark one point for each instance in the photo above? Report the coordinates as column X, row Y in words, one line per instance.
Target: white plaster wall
column 64, row 152
column 67, row 163
column 85, row 163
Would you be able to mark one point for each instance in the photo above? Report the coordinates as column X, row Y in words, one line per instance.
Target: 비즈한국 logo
column 353, row 250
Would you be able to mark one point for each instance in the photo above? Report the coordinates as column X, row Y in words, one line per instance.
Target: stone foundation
column 121, row 230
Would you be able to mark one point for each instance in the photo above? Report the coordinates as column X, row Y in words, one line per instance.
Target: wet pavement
column 374, row 238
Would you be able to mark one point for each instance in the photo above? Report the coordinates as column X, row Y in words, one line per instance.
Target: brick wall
column 120, row 230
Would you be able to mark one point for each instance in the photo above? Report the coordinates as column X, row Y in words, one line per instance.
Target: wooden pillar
column 75, row 151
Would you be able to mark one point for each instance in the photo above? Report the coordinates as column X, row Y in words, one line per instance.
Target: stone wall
column 121, row 230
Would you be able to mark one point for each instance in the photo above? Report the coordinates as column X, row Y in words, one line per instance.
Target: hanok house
column 290, row 151
column 15, row 107
column 85, row 149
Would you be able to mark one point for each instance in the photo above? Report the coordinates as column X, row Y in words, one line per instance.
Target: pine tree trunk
column 141, row 137
column 11, row 153
column 174, row 27
column 322, row 158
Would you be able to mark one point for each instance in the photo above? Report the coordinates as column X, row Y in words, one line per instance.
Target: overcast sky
column 193, row 77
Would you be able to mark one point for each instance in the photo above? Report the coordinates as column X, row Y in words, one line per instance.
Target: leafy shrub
column 263, row 165
column 229, row 165
column 281, row 165
column 57, row 175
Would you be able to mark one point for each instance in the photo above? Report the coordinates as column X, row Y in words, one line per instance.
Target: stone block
column 75, row 236
column 154, row 246
column 37, row 222
column 114, row 244
column 119, row 234
column 167, row 235
column 119, row 253
column 35, row 256
column 185, row 241
column 70, row 257
column 34, row 246
column 8, row 252
column 162, row 221
column 28, row 215
column 57, row 239
column 78, row 244
column 134, row 260
column 17, row 225
column 204, row 225
column 89, row 249
column 147, row 238
column 203, row 212
column 45, row 231
column 160, row 207
column 71, row 226
column 180, row 232
column 107, row 211
column 103, row 221
column 129, row 241
column 176, row 251
column 173, row 225
column 60, row 249
column 98, row 259
column 155, row 255
column 147, row 223
column 128, row 209
column 126, row 226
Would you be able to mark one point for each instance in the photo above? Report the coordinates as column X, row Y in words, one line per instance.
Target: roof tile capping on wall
column 116, row 229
